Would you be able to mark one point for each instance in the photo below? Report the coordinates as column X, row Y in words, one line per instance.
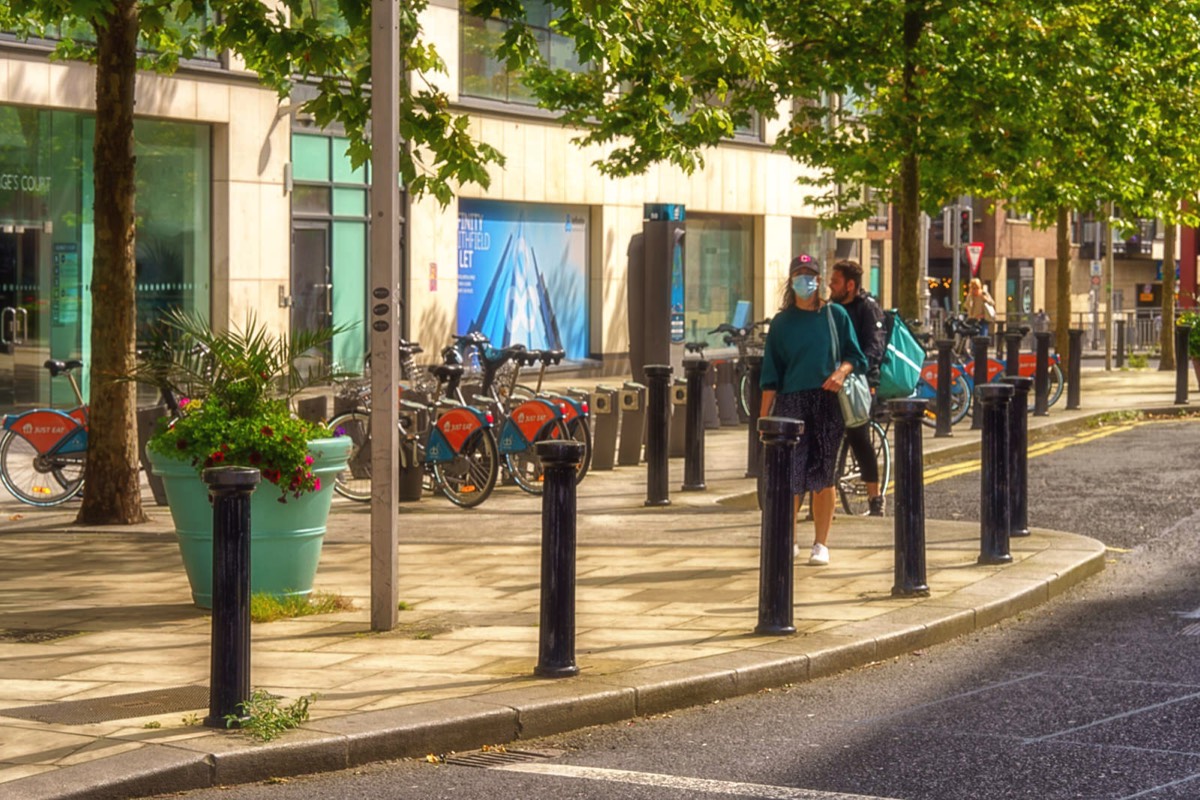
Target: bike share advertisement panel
column 450, row 433
column 525, row 423
column 522, row 274
column 45, row 428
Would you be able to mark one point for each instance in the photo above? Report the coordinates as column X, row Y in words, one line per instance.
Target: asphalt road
column 1093, row 695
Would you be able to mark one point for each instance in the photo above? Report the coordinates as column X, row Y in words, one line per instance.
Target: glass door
column 24, row 344
column 312, row 280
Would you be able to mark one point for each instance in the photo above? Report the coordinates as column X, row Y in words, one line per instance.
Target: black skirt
column 814, row 461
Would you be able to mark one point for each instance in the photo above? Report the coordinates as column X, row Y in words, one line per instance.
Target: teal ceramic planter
column 285, row 538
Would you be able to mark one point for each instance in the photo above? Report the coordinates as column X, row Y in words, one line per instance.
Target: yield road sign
column 974, row 254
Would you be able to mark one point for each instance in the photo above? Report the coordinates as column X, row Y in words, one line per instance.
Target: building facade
column 244, row 207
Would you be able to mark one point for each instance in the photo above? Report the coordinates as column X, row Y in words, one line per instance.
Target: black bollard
column 979, row 354
column 1041, row 374
column 754, row 445
column 229, row 489
column 994, row 518
column 1182, row 333
column 658, row 420
column 1012, row 352
column 1018, row 455
column 907, row 414
column 998, row 334
column 775, row 574
column 944, row 384
column 556, row 632
column 1074, row 367
column 693, row 454
column 1120, row 323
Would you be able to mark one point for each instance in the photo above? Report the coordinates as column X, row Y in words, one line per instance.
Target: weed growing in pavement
column 268, row 607
column 1138, row 361
column 191, row 720
column 1114, row 418
column 422, row 635
column 403, row 606
column 152, row 725
column 262, row 717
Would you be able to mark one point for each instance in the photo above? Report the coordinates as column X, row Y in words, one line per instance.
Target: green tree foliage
column 321, row 55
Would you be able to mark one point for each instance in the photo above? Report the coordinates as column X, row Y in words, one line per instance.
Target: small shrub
column 268, row 607
column 262, row 717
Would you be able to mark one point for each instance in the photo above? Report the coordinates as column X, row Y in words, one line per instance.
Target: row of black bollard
column 658, row 420
column 1182, row 333
column 693, row 457
column 1074, row 357
column 1041, row 375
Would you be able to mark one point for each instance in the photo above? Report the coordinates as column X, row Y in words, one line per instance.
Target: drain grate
column 34, row 636
column 486, row 759
column 121, row 706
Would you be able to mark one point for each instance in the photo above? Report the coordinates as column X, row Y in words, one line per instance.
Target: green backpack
column 901, row 366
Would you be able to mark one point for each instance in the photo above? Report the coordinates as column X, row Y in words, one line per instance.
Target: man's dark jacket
column 867, row 318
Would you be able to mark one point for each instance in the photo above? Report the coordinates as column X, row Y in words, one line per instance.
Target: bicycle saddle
column 494, row 357
column 550, row 356
column 59, row 367
column 410, row 348
column 695, row 347
column 444, row 372
column 474, row 337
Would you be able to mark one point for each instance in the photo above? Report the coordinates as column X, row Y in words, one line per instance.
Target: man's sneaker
column 875, row 506
column 819, row 556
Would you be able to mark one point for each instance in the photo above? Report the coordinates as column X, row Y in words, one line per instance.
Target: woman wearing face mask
column 801, row 380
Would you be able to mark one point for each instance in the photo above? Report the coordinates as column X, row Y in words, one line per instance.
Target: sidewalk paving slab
column 666, row 608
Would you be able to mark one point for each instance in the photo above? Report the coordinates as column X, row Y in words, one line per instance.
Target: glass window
column 173, row 185
column 718, row 272
column 310, row 199
column 310, row 157
column 485, row 75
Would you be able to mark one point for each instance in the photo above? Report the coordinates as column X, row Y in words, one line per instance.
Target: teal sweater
column 798, row 354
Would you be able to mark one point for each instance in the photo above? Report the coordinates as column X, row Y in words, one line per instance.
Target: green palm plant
column 234, row 388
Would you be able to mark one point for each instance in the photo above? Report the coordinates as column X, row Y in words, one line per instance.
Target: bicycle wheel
column 1056, row 384
column 960, row 402
column 960, row 398
column 524, row 466
column 581, row 432
column 469, row 479
column 37, row 479
column 851, row 488
column 744, row 394
column 354, row 482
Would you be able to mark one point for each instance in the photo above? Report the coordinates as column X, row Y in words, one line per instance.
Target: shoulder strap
column 835, row 344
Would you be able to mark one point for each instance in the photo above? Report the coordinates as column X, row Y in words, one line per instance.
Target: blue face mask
column 804, row 286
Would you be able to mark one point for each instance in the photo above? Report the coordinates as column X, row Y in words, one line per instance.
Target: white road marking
column 682, row 784
column 1123, row 715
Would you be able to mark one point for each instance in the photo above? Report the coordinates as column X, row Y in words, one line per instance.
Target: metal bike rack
column 606, row 416
column 676, row 440
column 727, row 404
column 632, row 399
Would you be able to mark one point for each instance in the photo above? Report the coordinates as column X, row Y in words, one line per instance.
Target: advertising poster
column 522, row 274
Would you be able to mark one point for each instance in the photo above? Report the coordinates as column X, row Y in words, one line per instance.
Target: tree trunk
column 908, row 289
column 1062, row 296
column 112, row 492
column 1167, row 337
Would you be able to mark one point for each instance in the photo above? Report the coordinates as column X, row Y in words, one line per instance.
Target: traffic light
column 966, row 233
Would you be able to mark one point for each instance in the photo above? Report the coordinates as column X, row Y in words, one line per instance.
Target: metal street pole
column 1108, row 289
column 383, row 303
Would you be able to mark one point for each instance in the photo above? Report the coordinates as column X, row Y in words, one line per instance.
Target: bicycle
column 748, row 341
column 851, row 489
column 526, row 417
column 457, row 453
column 43, row 451
column 962, row 387
column 963, row 330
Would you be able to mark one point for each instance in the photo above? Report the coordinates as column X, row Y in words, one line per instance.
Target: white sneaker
column 795, row 550
column 819, row 556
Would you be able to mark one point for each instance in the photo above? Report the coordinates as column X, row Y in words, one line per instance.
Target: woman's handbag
column 855, row 396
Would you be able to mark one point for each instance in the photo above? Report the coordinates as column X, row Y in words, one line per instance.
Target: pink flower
column 316, row 484
column 308, row 460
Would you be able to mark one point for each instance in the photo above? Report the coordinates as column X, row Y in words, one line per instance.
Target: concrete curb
column 507, row 716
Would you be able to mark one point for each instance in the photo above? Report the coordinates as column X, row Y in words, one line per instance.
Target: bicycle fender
column 525, row 423
column 450, row 432
column 46, row 427
column 570, row 407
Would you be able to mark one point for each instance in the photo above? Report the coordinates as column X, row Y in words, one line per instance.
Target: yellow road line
column 967, row 467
